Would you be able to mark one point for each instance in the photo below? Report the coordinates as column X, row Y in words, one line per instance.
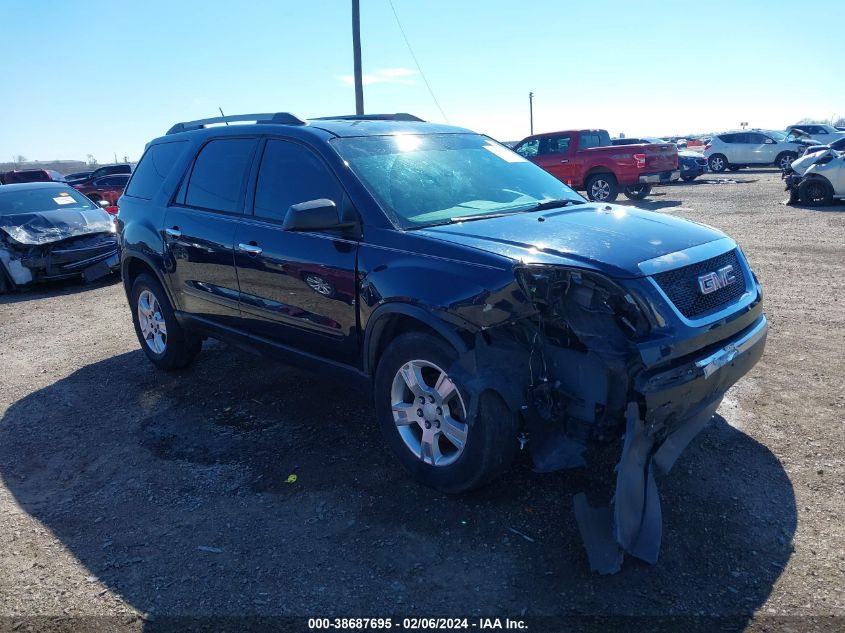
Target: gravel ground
column 132, row 493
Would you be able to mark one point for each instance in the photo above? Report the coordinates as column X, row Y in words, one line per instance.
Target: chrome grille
column 681, row 286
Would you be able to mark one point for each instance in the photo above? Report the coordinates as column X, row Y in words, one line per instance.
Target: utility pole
column 356, row 53
column 531, row 110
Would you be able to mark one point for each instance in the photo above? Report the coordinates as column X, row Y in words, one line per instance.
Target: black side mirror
column 314, row 215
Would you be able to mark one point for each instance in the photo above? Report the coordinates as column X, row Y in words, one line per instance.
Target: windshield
column 40, row 199
column 420, row 180
column 778, row 136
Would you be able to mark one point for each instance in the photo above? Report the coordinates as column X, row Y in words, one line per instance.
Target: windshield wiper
column 481, row 216
column 555, row 204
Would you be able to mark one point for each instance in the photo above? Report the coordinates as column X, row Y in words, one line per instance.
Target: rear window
column 154, row 167
column 42, row 199
column 597, row 138
column 219, row 175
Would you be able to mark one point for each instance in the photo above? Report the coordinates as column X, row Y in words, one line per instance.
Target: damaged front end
column 33, row 250
column 600, row 358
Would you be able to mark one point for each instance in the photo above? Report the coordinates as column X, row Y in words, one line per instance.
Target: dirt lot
column 132, row 493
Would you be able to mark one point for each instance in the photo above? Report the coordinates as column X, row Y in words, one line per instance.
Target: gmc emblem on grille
column 711, row 282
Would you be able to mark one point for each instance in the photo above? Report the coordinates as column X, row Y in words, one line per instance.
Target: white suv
column 734, row 150
column 825, row 134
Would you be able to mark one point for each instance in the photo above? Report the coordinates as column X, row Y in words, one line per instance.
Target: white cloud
column 383, row 76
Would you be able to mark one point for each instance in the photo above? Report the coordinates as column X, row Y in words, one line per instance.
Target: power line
column 416, row 61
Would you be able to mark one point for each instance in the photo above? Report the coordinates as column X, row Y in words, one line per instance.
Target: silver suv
column 734, row 150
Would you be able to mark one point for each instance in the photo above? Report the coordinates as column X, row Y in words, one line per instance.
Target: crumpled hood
column 609, row 238
column 43, row 227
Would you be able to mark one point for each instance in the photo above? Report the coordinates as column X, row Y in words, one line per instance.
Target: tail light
column 113, row 209
column 706, row 147
column 639, row 159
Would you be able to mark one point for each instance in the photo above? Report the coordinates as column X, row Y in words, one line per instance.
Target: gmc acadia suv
column 485, row 304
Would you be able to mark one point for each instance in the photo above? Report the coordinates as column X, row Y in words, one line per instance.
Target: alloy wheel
column 600, row 190
column 151, row 320
column 429, row 413
column 717, row 164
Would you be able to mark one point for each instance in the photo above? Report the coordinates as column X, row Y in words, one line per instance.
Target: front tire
column 815, row 192
column 164, row 341
column 602, row 188
column 426, row 418
column 718, row 163
column 638, row 192
column 784, row 161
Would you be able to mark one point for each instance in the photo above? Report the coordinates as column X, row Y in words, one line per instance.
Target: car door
column 740, row 149
column 297, row 289
column 200, row 230
column 555, row 156
column 760, row 149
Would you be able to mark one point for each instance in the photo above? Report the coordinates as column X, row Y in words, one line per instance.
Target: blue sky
column 104, row 77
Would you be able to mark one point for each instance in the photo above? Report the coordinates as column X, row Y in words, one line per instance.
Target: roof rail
column 281, row 118
column 398, row 116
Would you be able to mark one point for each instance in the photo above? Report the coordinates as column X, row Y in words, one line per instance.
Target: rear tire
column 414, row 364
column 602, row 188
column 637, row 192
column 815, row 192
column 166, row 343
column 718, row 163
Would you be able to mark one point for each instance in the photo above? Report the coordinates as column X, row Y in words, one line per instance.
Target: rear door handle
column 174, row 232
column 250, row 249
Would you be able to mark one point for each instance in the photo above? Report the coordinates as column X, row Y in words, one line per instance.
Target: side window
column 755, row 138
column 589, row 139
column 819, row 130
column 290, row 174
column 154, row 167
column 558, row 144
column 726, row 138
column 529, row 148
column 219, row 175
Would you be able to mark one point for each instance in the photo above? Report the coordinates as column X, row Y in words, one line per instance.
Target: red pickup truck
column 585, row 159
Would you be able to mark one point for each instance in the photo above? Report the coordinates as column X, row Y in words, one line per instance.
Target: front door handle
column 250, row 249
column 564, row 161
column 174, row 232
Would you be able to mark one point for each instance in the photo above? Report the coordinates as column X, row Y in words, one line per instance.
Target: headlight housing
column 584, row 296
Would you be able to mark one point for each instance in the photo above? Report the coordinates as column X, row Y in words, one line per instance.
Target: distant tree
column 91, row 160
column 20, row 159
column 840, row 122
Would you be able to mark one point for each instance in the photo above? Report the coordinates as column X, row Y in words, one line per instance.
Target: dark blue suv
column 485, row 304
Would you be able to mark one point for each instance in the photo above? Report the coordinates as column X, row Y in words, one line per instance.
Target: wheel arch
column 390, row 320
column 600, row 169
column 136, row 264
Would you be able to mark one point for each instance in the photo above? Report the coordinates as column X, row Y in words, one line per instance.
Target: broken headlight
column 564, row 290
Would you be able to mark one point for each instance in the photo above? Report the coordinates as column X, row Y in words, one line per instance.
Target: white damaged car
column 817, row 179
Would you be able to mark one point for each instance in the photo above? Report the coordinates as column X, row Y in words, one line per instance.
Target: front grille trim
column 680, row 286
